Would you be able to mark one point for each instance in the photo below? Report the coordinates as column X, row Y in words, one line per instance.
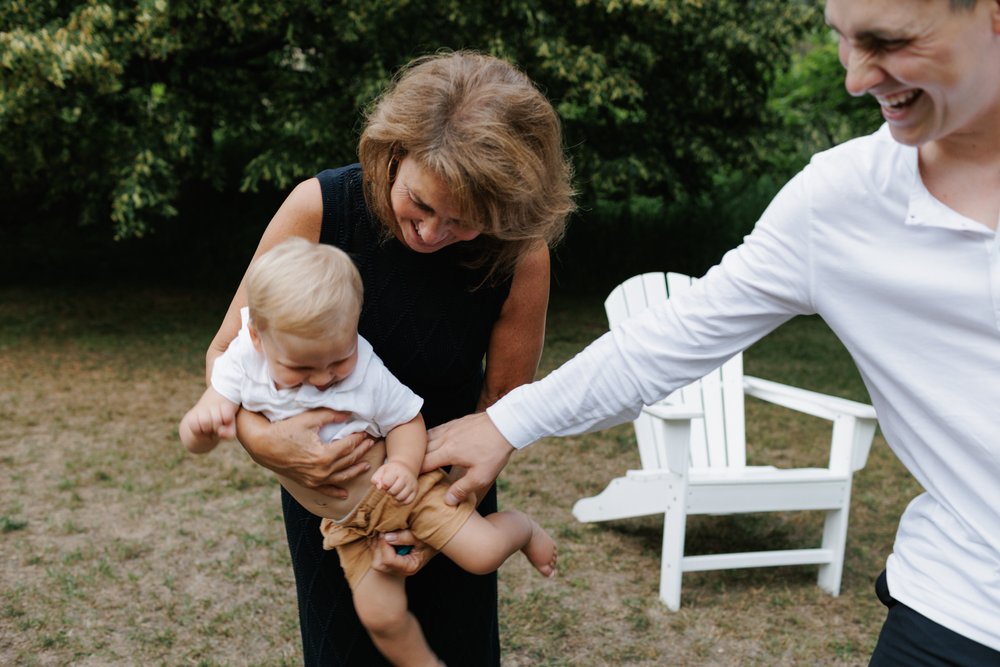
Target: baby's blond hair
column 304, row 289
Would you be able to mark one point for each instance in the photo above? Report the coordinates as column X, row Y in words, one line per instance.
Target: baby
column 299, row 349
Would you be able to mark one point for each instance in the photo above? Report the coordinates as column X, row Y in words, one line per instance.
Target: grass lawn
column 120, row 548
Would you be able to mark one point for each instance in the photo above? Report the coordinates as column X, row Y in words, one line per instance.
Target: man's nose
column 863, row 72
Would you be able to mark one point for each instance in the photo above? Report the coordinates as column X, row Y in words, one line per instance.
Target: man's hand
column 292, row 448
column 472, row 442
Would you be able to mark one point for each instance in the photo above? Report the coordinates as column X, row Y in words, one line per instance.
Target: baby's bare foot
column 541, row 550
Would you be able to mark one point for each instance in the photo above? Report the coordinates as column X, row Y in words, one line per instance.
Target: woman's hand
column 292, row 448
column 387, row 560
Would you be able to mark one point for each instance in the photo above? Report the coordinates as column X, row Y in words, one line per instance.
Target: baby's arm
column 405, row 446
column 211, row 419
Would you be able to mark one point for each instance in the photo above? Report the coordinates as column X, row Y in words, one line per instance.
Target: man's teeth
column 897, row 101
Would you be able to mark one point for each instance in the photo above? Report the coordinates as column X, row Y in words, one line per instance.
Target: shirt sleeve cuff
column 506, row 414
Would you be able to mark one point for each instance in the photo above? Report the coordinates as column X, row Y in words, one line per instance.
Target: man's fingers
column 459, row 491
column 434, row 459
column 435, row 437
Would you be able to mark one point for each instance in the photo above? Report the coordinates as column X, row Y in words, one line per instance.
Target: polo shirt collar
column 927, row 211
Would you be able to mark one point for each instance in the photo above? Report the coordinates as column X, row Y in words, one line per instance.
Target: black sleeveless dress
column 430, row 325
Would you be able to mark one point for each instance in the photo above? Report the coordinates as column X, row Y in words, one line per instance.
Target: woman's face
column 934, row 71
column 425, row 210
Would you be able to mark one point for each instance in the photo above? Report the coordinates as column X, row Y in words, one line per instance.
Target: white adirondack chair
column 692, row 448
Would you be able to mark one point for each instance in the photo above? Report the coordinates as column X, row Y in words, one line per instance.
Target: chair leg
column 671, row 560
column 835, row 539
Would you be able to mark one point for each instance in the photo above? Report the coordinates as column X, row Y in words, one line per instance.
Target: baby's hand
column 397, row 480
column 219, row 421
column 211, row 419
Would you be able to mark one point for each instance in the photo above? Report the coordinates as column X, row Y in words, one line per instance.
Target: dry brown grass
column 118, row 548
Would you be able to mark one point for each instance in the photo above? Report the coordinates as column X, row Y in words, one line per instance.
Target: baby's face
column 294, row 360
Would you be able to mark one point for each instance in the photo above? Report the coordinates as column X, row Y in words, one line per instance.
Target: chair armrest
column 674, row 412
column 802, row 400
column 853, row 423
column 672, row 425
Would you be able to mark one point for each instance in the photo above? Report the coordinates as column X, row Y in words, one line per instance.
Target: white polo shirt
column 377, row 400
column 911, row 287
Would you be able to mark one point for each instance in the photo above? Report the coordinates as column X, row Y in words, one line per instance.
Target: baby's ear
column 254, row 336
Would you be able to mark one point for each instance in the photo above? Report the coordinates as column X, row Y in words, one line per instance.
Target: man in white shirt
column 892, row 239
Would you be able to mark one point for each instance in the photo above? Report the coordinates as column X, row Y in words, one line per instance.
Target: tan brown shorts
column 431, row 520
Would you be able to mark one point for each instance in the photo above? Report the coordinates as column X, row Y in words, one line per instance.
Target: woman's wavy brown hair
column 480, row 125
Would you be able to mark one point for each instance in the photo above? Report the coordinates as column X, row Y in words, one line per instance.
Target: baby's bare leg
column 380, row 601
column 482, row 544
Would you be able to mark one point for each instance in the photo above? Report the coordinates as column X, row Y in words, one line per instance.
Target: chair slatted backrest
column 717, row 440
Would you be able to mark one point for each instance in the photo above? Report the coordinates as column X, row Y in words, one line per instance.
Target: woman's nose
column 432, row 230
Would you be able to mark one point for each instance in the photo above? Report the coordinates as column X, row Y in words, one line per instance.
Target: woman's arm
column 514, row 350
column 301, row 214
column 518, row 335
column 292, row 447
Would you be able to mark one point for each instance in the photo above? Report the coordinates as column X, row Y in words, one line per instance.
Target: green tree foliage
column 812, row 110
column 112, row 106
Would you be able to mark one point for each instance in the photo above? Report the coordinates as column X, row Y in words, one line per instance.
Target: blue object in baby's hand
column 403, row 549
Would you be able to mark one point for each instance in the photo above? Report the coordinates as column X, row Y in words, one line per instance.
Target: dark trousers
column 911, row 640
